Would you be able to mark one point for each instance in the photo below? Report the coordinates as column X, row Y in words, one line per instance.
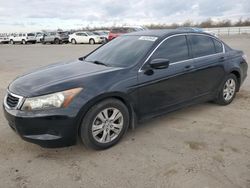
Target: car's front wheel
column 104, row 124
column 228, row 90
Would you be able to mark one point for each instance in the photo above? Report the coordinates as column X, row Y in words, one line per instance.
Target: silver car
column 55, row 38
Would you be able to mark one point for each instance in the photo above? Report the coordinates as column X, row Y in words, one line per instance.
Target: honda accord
column 132, row 78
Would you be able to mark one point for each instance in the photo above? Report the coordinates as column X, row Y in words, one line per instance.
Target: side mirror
column 159, row 63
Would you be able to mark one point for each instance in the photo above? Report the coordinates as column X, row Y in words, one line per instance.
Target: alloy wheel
column 229, row 89
column 107, row 125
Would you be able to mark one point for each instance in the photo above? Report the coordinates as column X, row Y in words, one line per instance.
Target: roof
column 162, row 32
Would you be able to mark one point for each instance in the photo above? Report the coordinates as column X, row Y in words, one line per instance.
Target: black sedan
column 134, row 77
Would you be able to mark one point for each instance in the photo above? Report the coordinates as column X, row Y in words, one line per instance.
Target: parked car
column 23, row 38
column 117, row 31
column 55, row 38
column 39, row 37
column 131, row 78
column 86, row 37
column 103, row 35
column 4, row 40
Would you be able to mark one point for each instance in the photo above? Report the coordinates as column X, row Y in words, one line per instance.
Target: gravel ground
column 203, row 146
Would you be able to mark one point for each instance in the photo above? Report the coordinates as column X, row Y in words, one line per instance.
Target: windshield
column 123, row 51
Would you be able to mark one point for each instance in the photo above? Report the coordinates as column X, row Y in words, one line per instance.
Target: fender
column 118, row 95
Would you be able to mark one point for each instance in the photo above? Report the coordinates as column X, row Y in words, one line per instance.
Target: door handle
column 222, row 59
column 189, row 67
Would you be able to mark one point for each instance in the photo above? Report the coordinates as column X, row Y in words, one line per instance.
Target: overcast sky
column 33, row 15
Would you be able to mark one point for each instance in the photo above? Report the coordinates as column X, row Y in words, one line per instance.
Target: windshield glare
column 123, row 51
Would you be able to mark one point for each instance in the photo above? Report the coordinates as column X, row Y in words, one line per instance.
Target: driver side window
column 174, row 49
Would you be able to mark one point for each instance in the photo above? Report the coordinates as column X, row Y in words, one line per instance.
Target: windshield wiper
column 99, row 63
column 81, row 58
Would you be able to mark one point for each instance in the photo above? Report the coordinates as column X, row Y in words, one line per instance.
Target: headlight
column 55, row 100
column 244, row 56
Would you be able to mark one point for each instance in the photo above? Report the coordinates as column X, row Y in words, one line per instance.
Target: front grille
column 12, row 101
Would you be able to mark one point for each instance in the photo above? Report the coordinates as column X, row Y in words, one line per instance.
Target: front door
column 162, row 88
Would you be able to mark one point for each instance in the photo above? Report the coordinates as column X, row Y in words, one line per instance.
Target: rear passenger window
column 174, row 49
column 218, row 46
column 202, row 45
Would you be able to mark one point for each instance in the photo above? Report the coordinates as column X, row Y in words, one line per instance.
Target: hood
column 37, row 82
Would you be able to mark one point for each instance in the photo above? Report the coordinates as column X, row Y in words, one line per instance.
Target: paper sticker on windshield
column 148, row 38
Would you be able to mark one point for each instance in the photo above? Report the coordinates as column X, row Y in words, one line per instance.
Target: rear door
column 50, row 37
column 18, row 38
column 208, row 57
column 46, row 38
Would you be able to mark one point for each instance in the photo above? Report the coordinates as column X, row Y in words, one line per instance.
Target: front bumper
column 98, row 40
column 31, row 40
column 65, row 40
column 48, row 129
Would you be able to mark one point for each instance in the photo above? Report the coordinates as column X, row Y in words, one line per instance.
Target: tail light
column 112, row 36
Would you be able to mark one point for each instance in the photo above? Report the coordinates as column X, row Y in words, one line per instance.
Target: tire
column 91, row 41
column 73, row 41
column 106, row 40
column 12, row 42
column 96, row 139
column 228, row 90
column 23, row 41
column 57, row 41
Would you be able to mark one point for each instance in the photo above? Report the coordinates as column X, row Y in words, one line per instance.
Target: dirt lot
column 203, row 146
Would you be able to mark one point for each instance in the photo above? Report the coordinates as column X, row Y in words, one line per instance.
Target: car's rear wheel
column 91, row 41
column 228, row 90
column 73, row 41
column 23, row 41
column 57, row 41
column 104, row 124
